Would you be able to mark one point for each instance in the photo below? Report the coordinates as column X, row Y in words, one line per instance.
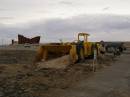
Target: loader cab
column 82, row 48
column 84, row 36
column 83, row 40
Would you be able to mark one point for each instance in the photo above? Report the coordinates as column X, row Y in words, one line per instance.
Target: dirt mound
column 19, row 81
column 23, row 81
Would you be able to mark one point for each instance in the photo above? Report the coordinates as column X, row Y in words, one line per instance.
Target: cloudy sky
column 107, row 20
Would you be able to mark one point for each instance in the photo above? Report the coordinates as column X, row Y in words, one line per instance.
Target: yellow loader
column 74, row 51
column 82, row 50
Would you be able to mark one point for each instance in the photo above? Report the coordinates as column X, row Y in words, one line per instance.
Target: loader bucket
column 48, row 52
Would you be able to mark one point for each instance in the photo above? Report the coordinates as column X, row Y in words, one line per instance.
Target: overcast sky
column 63, row 19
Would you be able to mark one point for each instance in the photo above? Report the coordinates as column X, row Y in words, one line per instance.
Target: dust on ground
column 22, row 81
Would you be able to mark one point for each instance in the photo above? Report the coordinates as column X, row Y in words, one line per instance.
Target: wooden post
column 94, row 60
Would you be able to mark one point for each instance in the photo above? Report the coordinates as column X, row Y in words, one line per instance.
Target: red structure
column 23, row 40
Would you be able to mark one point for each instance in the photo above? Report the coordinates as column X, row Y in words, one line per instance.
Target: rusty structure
column 23, row 40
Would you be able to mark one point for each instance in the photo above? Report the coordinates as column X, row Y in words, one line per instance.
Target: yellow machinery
column 82, row 49
column 51, row 51
column 77, row 51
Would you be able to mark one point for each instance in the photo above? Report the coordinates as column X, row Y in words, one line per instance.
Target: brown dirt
column 22, row 81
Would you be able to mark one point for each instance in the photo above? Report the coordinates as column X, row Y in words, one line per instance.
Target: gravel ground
column 76, row 80
column 113, row 81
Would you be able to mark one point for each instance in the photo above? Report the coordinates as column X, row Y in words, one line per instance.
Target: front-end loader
column 74, row 51
column 82, row 48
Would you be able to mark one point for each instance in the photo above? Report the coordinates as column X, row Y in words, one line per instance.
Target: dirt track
column 113, row 81
column 75, row 81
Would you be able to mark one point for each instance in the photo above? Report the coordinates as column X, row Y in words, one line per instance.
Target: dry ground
column 75, row 81
column 113, row 81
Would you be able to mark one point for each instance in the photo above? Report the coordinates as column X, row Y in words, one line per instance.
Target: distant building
column 23, row 40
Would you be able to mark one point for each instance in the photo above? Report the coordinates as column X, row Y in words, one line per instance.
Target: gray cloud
column 106, row 8
column 107, row 27
column 91, row 23
column 2, row 9
column 6, row 18
column 28, row 10
column 66, row 2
